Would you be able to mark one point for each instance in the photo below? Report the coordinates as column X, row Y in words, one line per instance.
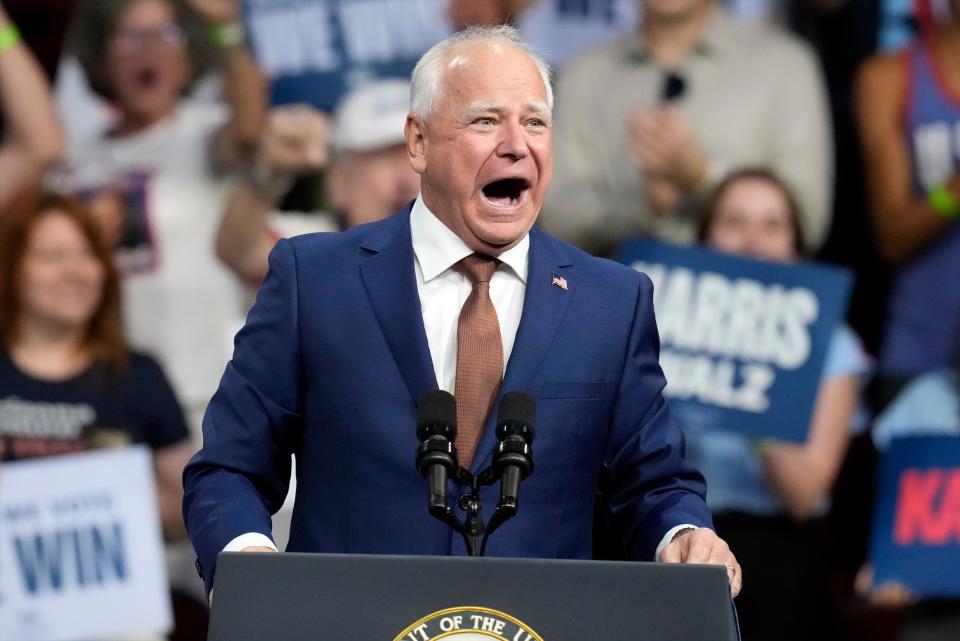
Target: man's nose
column 513, row 141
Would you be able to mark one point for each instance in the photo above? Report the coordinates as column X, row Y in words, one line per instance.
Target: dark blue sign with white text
column 315, row 51
column 916, row 527
column 742, row 341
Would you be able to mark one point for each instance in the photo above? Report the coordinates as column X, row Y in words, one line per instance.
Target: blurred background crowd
column 146, row 171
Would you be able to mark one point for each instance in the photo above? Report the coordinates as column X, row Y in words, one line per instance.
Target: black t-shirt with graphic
column 97, row 408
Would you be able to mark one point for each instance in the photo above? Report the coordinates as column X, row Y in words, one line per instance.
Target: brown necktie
column 479, row 355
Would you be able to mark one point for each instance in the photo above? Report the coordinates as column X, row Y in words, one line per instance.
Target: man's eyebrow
column 481, row 107
column 539, row 107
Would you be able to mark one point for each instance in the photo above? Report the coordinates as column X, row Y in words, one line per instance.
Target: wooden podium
column 331, row 597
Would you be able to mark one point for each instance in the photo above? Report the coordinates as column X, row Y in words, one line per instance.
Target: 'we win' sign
column 81, row 549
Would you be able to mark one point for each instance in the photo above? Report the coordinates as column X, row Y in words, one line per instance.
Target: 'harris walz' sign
column 316, row 50
column 742, row 341
column 916, row 529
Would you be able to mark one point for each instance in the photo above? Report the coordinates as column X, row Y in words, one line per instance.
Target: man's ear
column 415, row 135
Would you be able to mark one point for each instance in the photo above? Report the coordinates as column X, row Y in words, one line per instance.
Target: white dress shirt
column 443, row 290
column 437, row 249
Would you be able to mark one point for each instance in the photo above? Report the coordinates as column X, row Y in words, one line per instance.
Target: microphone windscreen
column 518, row 408
column 436, row 407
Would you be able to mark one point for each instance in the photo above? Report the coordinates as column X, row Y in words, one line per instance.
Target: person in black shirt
column 68, row 382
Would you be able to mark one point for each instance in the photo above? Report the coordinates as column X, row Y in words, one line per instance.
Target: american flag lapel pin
column 559, row 281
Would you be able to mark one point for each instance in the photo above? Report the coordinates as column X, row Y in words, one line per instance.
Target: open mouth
column 506, row 192
column 146, row 77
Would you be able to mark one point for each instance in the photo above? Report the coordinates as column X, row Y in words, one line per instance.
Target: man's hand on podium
column 249, row 548
column 702, row 545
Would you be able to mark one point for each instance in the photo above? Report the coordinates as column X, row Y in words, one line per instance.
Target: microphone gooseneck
column 437, row 462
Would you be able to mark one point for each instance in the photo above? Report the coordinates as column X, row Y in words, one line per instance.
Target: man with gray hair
column 459, row 292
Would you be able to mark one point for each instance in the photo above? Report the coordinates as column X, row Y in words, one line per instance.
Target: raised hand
column 295, row 140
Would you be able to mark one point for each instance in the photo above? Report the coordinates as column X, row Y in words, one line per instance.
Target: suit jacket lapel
column 544, row 306
column 391, row 284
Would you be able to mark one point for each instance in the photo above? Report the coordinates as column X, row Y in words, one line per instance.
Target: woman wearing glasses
column 157, row 179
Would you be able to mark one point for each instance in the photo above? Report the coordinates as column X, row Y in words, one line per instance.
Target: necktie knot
column 478, row 268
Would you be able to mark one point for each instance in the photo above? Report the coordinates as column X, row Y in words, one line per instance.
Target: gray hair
column 427, row 75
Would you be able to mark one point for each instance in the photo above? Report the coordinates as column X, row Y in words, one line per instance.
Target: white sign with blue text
column 742, row 341
column 81, row 551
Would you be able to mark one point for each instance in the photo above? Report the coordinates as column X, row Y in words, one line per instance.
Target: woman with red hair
column 67, row 379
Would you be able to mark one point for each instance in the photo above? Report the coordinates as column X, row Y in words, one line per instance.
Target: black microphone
column 513, row 458
column 437, row 456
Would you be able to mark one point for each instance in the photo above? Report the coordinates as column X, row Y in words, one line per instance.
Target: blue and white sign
column 742, row 341
column 916, row 528
column 81, row 553
column 316, row 50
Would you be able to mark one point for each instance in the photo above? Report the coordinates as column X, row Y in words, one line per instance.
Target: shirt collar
column 438, row 249
column 716, row 37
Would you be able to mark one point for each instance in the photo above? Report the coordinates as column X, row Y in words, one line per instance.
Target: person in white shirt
column 158, row 178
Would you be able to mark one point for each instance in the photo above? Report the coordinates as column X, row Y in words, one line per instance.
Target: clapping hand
column 665, row 148
column 663, row 194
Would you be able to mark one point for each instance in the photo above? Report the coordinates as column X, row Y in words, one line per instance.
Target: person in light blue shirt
column 738, row 469
column 770, row 497
column 928, row 406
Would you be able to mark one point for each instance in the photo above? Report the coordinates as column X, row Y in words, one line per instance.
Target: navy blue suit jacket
column 329, row 366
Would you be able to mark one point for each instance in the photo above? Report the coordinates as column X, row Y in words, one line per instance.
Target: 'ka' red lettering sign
column 916, row 533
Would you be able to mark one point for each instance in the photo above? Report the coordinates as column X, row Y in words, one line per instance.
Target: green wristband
column 944, row 202
column 227, row 35
column 760, row 445
column 9, row 37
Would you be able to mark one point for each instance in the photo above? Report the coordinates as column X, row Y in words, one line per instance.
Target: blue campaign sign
column 916, row 526
column 315, row 51
column 742, row 341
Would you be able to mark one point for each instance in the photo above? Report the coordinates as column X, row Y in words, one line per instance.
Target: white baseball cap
column 372, row 116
